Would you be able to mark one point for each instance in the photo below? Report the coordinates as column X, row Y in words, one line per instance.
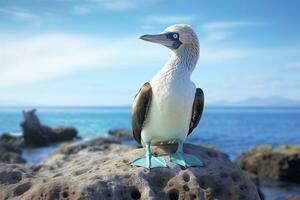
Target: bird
column 169, row 106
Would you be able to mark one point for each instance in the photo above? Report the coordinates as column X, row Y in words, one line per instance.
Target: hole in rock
column 21, row 189
column 186, row 188
column 186, row 177
column 135, row 194
column 65, row 194
column 173, row 194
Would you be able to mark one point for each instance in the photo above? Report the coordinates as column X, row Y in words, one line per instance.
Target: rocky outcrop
column 98, row 173
column 255, row 179
column 281, row 164
column 121, row 134
column 98, row 144
column 61, row 133
column 36, row 134
column 293, row 197
column 10, row 151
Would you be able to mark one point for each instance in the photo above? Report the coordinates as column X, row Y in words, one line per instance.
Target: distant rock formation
column 36, row 134
column 120, row 133
column 10, row 150
column 272, row 101
column 281, row 164
column 100, row 170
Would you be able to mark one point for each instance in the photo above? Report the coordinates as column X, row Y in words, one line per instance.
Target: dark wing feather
column 197, row 109
column 139, row 110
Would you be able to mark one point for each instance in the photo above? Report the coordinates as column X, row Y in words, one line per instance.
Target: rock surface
column 104, row 173
column 36, row 134
column 122, row 134
column 281, row 164
column 61, row 133
column 10, row 151
column 293, row 197
column 255, row 179
column 98, row 144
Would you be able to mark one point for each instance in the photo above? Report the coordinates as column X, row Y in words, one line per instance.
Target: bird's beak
column 158, row 38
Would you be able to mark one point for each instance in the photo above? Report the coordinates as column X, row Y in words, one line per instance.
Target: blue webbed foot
column 183, row 159
column 149, row 161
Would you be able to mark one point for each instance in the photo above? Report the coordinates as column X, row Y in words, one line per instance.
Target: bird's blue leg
column 183, row 159
column 149, row 161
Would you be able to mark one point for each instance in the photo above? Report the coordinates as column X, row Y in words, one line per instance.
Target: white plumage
column 173, row 92
column 169, row 106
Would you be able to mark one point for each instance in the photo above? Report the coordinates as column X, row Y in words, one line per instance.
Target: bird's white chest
column 171, row 108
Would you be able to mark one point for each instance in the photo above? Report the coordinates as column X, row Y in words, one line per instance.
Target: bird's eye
column 175, row 36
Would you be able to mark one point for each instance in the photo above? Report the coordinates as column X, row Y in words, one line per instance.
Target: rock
column 293, row 197
column 17, row 178
column 10, row 157
column 59, row 134
column 10, row 151
column 36, row 134
column 255, row 179
column 106, row 174
column 122, row 134
column 15, row 142
column 281, row 164
column 98, row 144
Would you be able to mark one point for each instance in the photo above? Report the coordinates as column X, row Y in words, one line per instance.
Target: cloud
column 120, row 5
column 242, row 86
column 217, row 31
column 170, row 19
column 90, row 6
column 42, row 57
column 215, row 54
column 217, row 36
column 45, row 56
column 25, row 15
column 19, row 14
column 217, row 26
column 147, row 27
column 81, row 9
column 293, row 65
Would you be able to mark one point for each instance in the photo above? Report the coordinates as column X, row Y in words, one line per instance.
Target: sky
column 88, row 52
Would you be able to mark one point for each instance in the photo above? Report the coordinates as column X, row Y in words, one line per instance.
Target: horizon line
column 129, row 106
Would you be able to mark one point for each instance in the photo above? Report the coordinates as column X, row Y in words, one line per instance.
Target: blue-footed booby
column 169, row 106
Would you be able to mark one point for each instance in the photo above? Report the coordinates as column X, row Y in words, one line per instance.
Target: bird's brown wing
column 197, row 109
column 140, row 109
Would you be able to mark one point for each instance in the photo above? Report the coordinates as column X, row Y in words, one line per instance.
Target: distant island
column 273, row 101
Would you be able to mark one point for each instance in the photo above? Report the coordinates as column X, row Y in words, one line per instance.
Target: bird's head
column 175, row 37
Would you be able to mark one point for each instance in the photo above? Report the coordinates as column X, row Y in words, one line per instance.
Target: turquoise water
column 232, row 130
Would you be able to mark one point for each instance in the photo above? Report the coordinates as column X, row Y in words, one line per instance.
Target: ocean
column 232, row 130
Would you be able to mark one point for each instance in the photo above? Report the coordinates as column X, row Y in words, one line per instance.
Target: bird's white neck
column 183, row 60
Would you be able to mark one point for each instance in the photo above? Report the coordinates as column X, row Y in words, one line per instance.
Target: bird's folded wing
column 140, row 109
column 197, row 109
